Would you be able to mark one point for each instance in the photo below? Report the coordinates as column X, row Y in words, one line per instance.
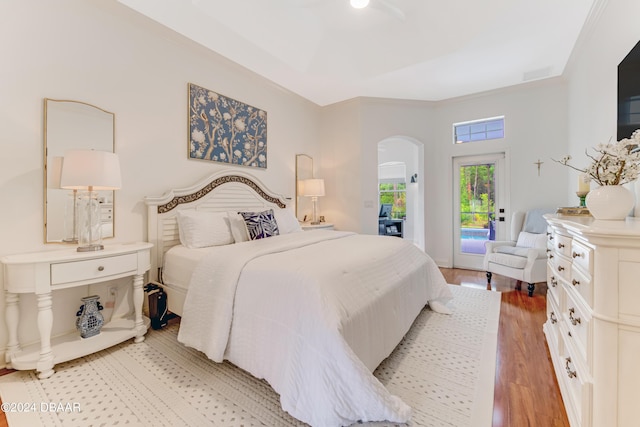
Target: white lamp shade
column 83, row 169
column 312, row 187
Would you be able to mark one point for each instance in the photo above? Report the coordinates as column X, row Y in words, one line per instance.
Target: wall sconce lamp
column 313, row 188
column 89, row 171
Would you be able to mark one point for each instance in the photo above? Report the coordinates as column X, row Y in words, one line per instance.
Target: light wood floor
column 526, row 392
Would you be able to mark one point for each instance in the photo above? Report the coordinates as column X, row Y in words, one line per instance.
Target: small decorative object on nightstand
column 89, row 320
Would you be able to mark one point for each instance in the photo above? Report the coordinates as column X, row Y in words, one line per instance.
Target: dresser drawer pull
column 101, row 268
column 554, row 281
column 560, row 245
column 575, row 282
column 570, row 373
column 576, row 255
column 560, row 268
column 574, row 320
column 550, row 236
column 553, row 318
column 550, row 256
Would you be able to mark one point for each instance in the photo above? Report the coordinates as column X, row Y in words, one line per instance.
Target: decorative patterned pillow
column 260, row 224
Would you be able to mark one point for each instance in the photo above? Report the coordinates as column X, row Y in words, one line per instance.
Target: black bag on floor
column 157, row 305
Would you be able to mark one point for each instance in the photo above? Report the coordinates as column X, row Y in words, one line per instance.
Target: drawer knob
column 576, row 254
column 575, row 282
column 550, row 256
column 570, row 373
column 101, row 268
column 550, row 236
column 554, row 281
column 553, row 318
column 574, row 320
column 560, row 245
column 560, row 268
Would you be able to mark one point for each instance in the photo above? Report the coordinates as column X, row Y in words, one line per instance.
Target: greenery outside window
column 394, row 193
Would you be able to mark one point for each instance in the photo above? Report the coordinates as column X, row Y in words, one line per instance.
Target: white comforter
column 313, row 313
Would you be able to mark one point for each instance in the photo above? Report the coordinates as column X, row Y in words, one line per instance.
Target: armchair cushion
column 531, row 240
column 534, row 222
column 508, row 260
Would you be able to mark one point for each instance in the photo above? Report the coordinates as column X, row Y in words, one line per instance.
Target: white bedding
column 179, row 263
column 313, row 313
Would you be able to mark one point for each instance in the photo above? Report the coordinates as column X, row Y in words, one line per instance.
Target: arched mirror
column 73, row 125
column 304, row 170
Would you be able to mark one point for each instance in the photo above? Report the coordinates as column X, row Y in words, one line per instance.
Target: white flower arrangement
column 615, row 163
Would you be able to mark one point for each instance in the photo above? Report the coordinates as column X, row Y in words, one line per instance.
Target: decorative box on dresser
column 41, row 273
column 593, row 318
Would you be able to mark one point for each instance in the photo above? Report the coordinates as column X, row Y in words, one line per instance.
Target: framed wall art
column 225, row 130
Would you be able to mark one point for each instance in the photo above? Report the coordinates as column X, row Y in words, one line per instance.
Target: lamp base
column 90, row 248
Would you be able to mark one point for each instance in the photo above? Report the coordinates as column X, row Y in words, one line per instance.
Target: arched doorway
column 401, row 183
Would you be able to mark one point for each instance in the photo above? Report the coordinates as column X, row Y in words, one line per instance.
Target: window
column 395, row 194
column 478, row 130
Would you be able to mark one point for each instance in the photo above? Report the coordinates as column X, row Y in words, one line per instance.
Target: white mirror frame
column 73, row 125
column 304, row 170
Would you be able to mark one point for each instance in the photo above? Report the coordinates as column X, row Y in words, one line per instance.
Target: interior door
column 479, row 208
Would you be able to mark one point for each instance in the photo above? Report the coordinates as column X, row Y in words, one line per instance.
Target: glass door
column 478, row 213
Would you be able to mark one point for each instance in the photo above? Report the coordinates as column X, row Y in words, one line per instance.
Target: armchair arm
column 491, row 245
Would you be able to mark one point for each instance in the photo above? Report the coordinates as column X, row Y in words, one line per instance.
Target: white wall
column 535, row 128
column 102, row 53
column 593, row 79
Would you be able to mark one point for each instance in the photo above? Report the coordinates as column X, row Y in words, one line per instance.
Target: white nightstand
column 322, row 226
column 40, row 273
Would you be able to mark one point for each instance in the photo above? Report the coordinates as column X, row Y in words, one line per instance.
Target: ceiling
column 327, row 52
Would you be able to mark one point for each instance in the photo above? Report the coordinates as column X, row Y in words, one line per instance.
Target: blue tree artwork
column 224, row 130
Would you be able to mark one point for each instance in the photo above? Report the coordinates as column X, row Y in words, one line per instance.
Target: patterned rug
column 444, row 369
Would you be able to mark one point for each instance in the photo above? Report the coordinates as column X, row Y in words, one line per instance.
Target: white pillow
column 200, row 229
column 287, row 222
column 238, row 227
column 531, row 240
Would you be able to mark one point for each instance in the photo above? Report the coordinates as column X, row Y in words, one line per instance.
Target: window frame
column 485, row 131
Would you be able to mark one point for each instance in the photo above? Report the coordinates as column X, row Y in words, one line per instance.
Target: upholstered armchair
column 524, row 256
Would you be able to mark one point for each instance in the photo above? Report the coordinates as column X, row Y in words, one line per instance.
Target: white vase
column 611, row 202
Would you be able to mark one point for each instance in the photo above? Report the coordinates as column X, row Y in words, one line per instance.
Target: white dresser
column 42, row 273
column 593, row 318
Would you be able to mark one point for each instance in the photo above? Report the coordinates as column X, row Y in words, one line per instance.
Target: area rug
column 444, row 369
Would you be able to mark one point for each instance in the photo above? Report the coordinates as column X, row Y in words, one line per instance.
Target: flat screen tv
column 385, row 210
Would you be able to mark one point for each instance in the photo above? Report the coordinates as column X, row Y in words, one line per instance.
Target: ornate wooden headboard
column 229, row 190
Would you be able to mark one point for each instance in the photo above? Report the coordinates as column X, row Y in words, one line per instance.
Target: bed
column 313, row 313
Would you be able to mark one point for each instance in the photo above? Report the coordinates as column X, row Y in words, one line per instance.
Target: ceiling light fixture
column 359, row 4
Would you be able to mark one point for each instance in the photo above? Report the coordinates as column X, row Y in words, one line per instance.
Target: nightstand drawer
column 77, row 271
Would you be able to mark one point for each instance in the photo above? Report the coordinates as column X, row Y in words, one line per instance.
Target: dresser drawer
column 553, row 286
column 77, row 271
column 562, row 266
column 562, row 245
column 582, row 284
column 582, row 257
column 577, row 321
column 578, row 389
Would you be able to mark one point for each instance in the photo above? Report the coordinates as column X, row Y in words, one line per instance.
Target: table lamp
column 313, row 188
column 89, row 171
